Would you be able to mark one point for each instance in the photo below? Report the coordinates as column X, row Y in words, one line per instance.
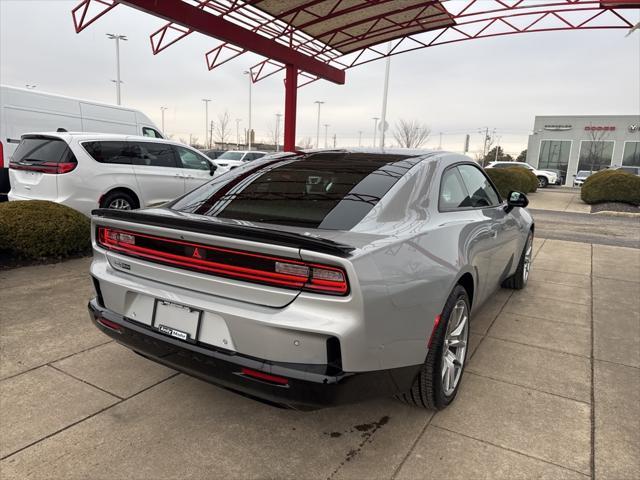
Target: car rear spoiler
column 243, row 232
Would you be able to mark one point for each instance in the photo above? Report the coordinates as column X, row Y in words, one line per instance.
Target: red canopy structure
column 320, row 39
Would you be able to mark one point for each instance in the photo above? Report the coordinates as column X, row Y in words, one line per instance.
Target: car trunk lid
column 229, row 259
column 36, row 165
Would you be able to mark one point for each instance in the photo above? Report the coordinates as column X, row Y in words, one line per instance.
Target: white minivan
column 23, row 111
column 88, row 171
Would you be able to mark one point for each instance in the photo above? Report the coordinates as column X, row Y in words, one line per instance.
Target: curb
column 617, row 214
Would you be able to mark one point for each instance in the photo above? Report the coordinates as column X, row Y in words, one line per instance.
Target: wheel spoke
column 455, row 346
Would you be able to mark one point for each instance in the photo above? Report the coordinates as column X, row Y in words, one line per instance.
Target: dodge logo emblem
column 196, row 253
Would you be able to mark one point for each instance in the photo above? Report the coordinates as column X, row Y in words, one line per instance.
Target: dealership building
column 584, row 142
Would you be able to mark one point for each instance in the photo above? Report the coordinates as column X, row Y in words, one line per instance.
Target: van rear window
column 327, row 191
column 43, row 149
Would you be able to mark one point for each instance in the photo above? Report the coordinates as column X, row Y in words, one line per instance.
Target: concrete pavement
column 551, row 391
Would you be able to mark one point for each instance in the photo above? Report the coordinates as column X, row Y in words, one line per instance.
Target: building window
column 631, row 155
column 554, row 154
column 595, row 155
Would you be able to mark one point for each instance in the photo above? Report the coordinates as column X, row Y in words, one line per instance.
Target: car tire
column 119, row 200
column 429, row 389
column 519, row 280
column 543, row 182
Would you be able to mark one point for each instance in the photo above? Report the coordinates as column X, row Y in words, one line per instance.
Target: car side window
column 453, row 193
column 192, row 160
column 155, row 155
column 481, row 192
column 110, row 152
column 150, row 132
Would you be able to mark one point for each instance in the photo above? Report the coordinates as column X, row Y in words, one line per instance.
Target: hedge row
column 513, row 179
column 37, row 229
column 611, row 186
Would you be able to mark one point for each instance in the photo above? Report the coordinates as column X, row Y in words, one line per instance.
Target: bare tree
column 305, row 143
column 595, row 153
column 221, row 127
column 183, row 140
column 411, row 134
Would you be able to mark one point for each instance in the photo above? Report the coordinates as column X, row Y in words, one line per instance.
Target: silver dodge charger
column 314, row 279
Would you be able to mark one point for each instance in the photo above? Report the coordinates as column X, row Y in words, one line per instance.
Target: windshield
column 231, row 156
column 328, row 191
column 583, row 173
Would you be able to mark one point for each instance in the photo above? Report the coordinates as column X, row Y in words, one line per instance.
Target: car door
column 502, row 227
column 196, row 168
column 159, row 176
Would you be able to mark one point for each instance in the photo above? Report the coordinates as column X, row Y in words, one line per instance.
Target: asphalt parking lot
column 551, row 391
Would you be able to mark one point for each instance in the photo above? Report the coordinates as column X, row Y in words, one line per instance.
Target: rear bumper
column 308, row 386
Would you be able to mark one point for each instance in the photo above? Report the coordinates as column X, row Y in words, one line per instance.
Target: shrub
column 513, row 179
column 611, row 186
column 38, row 229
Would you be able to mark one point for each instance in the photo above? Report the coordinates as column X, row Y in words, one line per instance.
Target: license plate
column 177, row 321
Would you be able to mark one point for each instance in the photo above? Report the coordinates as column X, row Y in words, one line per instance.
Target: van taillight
column 45, row 167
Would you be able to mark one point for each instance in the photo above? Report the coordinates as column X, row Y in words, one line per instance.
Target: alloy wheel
column 119, row 204
column 455, row 347
column 528, row 254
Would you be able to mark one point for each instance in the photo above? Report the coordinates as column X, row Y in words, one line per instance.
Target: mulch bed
column 9, row 261
column 615, row 207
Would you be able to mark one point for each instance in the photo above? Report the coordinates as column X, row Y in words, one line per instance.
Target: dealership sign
column 599, row 128
column 555, row 128
column 634, row 127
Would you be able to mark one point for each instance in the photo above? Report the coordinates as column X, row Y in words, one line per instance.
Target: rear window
column 327, row 191
column 43, row 149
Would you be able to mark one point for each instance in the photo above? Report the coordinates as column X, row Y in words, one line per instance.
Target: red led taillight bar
column 230, row 263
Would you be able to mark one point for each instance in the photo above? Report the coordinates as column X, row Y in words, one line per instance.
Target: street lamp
column 248, row 72
column 318, row 124
column 117, row 81
column 326, row 131
column 375, row 128
column 206, row 121
column 238, row 120
column 278, row 115
column 162, row 109
column 383, row 120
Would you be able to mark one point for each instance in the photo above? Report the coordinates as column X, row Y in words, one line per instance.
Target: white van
column 23, row 111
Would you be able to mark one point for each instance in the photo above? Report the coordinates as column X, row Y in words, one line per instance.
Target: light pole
column 238, row 120
column 278, row 115
column 375, row 129
column 318, row 124
column 117, row 38
column 162, row 109
column 359, row 138
column 206, row 121
column 383, row 120
column 326, row 131
column 248, row 72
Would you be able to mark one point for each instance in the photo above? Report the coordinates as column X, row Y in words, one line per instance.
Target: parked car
column 629, row 169
column 88, row 171
column 545, row 177
column 23, row 111
column 234, row 158
column 213, row 154
column 580, row 177
column 317, row 278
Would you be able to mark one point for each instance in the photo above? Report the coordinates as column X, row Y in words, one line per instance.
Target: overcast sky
column 455, row 89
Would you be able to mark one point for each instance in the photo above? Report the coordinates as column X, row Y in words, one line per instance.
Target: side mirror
column 516, row 199
column 212, row 168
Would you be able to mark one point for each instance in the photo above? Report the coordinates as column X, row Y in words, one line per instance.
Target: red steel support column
column 290, row 100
